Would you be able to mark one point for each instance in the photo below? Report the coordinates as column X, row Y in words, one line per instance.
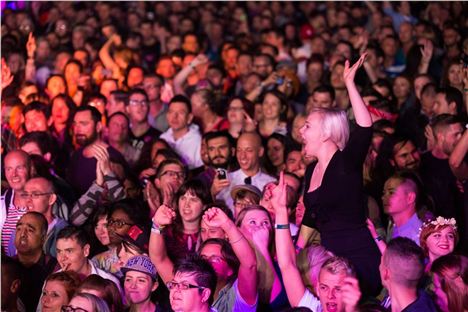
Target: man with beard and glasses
column 87, row 128
column 221, row 151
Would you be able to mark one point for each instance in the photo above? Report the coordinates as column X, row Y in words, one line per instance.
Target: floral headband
column 440, row 221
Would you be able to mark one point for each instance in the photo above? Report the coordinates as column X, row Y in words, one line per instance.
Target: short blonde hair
column 309, row 263
column 338, row 265
column 335, row 125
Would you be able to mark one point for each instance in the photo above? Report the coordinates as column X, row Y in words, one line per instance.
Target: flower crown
column 440, row 221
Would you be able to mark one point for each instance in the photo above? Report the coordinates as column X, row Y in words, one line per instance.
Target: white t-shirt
column 308, row 300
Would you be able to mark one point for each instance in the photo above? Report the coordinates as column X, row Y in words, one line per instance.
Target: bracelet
column 240, row 238
column 156, row 228
column 282, row 226
column 378, row 238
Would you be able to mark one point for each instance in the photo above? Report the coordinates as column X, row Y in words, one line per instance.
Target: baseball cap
column 245, row 187
column 141, row 263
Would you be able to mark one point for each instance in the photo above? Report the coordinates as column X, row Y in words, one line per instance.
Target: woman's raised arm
column 360, row 111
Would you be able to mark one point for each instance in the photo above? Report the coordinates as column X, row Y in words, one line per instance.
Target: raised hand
column 99, row 151
column 7, row 77
column 116, row 39
column 215, row 217
column 218, row 185
column 164, row 216
column 168, row 191
column 199, row 60
column 371, row 227
column 99, row 174
column 271, row 79
column 31, row 46
column 260, row 236
column 147, row 173
column 153, row 197
column 350, row 72
column 465, row 76
column 429, row 134
column 427, row 49
column 279, row 194
column 350, row 293
column 249, row 124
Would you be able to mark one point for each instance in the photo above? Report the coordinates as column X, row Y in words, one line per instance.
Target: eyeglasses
column 213, row 258
column 236, row 109
column 152, row 86
column 25, row 195
column 136, row 102
column 117, row 223
column 181, row 286
column 172, row 174
column 68, row 308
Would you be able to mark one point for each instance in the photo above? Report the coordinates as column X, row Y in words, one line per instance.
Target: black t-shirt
column 441, row 185
column 423, row 304
column 149, row 136
column 35, row 275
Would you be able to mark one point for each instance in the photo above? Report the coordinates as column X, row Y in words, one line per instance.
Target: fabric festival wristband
column 282, row 226
column 156, row 229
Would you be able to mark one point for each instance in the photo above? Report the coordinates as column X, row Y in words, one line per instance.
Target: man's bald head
column 252, row 137
column 39, row 196
column 18, row 154
column 249, row 151
column 17, row 167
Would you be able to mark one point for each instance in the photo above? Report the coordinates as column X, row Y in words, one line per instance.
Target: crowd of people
column 234, row 156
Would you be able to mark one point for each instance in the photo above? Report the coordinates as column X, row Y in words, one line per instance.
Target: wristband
column 156, row 228
column 378, row 238
column 238, row 240
column 282, row 226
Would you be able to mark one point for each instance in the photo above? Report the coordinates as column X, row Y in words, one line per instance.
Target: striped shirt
column 9, row 227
